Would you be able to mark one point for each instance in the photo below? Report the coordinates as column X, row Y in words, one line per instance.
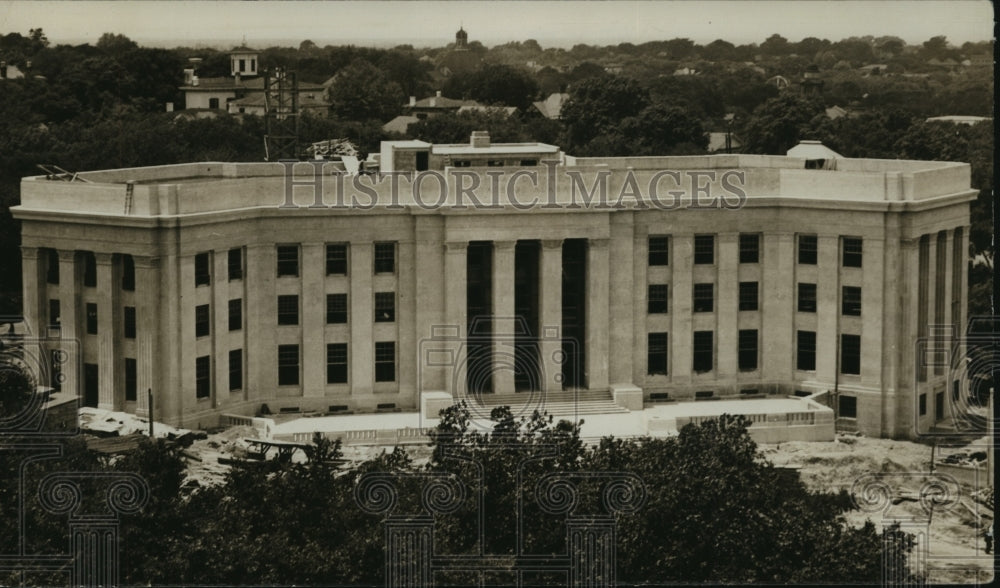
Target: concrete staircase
column 558, row 404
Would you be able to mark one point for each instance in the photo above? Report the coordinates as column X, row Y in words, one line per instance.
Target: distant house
column 873, row 69
column 310, row 100
column 243, row 91
column 10, row 71
column 400, row 124
column 835, row 112
column 434, row 105
column 507, row 110
column 717, row 143
column 551, row 107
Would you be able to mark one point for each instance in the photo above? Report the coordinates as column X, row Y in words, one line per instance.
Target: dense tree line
column 701, row 507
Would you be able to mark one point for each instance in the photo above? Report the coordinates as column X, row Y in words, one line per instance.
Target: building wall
column 908, row 279
column 202, row 99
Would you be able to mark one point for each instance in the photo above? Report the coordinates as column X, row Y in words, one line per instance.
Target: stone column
column 597, row 315
column 503, row 317
column 362, row 319
column 312, row 317
column 681, row 310
column 70, row 331
column 147, row 326
column 261, row 357
column 110, row 393
column 34, row 290
column 777, row 291
column 621, row 319
column 827, row 307
column 906, row 336
column 727, row 288
column 550, row 311
column 456, row 284
column 406, row 321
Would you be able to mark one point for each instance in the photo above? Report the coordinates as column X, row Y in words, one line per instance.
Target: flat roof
column 494, row 149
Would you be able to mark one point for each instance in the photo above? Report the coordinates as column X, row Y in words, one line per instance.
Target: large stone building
column 223, row 287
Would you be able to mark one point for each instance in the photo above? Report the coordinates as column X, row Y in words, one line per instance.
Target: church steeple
column 461, row 38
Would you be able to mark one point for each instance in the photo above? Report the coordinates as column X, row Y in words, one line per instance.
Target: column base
column 627, row 396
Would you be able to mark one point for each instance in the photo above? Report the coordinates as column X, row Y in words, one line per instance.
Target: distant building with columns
column 223, row 287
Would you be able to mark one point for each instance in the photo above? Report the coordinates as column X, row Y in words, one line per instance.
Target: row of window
column 288, row 312
column 703, row 346
column 289, row 367
column 89, row 261
column 704, row 250
column 288, row 263
column 704, row 298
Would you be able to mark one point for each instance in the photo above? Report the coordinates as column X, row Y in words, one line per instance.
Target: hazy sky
column 550, row 23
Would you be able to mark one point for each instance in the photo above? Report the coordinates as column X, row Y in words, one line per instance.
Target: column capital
column 552, row 243
column 66, row 254
column 103, row 258
column 598, row 243
column 456, row 246
column 28, row 252
column 504, row 245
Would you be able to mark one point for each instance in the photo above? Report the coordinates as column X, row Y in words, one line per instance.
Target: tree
column 16, row 389
column 362, row 92
column 775, row 45
column 495, row 84
column 114, row 44
column 778, row 124
column 596, row 105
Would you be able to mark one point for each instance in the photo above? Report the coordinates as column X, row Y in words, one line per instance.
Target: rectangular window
column 91, row 318
column 808, row 246
column 288, row 260
column 529, row 162
column 202, row 320
column 847, row 407
column 336, row 309
column 748, row 349
column 657, row 298
column 659, row 251
column 235, row 369
column 385, row 361
column 288, row 365
column 806, row 351
column 131, row 380
column 202, row 270
column 807, row 297
column 336, row 259
column 748, row 296
column 851, row 301
column 703, row 350
column 749, row 248
column 51, row 266
column 128, row 325
column 89, row 269
column 704, row 297
column 923, row 404
column 203, row 376
column 385, row 257
column 336, row 363
column 385, row 307
column 850, row 354
column 704, row 249
column 235, row 264
column 128, row 273
column 656, row 354
column 288, row 309
column 852, row 252
column 235, row 314
column 54, row 312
